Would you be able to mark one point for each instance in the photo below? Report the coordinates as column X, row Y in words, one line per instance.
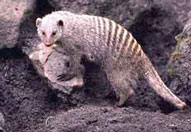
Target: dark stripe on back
column 124, row 45
column 109, row 34
column 95, row 28
column 104, row 29
column 99, row 26
column 114, row 39
column 130, row 47
column 120, row 39
column 134, row 52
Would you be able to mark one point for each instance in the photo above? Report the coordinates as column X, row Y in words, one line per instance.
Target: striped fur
column 106, row 41
column 117, row 39
column 120, row 42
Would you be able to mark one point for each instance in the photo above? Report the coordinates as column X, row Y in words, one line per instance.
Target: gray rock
column 11, row 13
column 61, row 66
column 180, row 8
column 179, row 68
column 2, row 122
column 124, row 12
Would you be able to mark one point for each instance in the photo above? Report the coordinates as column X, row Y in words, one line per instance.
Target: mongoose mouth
column 48, row 44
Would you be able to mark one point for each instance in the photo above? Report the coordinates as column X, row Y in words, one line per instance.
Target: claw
column 64, row 77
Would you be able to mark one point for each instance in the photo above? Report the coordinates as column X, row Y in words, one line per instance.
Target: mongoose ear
column 38, row 22
column 60, row 23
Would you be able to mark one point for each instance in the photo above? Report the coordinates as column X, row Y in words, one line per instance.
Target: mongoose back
column 109, row 44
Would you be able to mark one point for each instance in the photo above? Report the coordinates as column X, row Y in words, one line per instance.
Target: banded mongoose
column 107, row 43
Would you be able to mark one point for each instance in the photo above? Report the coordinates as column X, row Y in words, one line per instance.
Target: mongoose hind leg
column 122, row 83
column 124, row 96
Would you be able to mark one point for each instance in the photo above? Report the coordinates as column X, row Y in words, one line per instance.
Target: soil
column 30, row 105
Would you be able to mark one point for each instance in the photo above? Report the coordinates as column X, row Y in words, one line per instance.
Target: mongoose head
column 49, row 29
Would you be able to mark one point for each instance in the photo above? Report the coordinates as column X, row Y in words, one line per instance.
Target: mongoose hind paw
column 123, row 97
column 182, row 106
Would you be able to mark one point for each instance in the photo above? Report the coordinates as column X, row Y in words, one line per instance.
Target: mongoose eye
column 43, row 33
column 60, row 23
column 53, row 33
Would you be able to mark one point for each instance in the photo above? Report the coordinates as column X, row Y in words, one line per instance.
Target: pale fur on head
column 50, row 28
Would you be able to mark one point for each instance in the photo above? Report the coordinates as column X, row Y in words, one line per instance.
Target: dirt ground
column 30, row 105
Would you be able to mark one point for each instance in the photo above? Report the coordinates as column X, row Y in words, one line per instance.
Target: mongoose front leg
column 75, row 82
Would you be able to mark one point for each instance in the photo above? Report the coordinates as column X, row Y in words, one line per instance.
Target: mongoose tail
column 158, row 85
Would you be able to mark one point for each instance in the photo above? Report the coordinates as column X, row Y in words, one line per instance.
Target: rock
column 155, row 29
column 179, row 70
column 124, row 12
column 180, row 9
column 2, row 122
column 61, row 66
column 11, row 13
